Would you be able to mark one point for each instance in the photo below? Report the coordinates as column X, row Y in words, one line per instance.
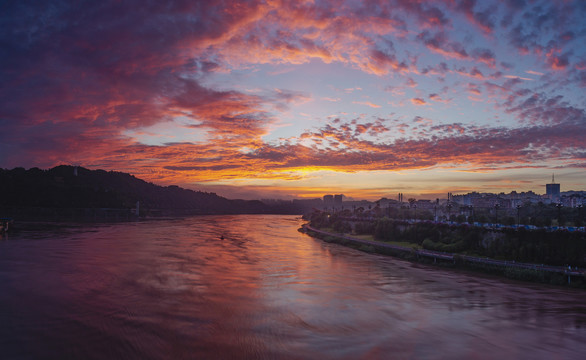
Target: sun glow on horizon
column 370, row 98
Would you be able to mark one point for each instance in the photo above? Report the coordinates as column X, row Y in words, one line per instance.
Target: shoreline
column 540, row 273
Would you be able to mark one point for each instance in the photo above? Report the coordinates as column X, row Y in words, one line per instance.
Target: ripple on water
column 174, row 289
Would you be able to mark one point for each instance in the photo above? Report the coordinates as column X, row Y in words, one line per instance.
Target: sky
column 297, row 99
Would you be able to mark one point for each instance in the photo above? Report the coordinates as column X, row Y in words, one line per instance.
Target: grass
column 398, row 243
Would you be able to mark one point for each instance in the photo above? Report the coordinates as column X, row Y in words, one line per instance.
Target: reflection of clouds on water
column 266, row 290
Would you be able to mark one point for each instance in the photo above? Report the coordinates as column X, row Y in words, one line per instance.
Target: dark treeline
column 533, row 246
column 68, row 187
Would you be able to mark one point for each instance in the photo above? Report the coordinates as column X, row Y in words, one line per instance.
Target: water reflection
column 174, row 289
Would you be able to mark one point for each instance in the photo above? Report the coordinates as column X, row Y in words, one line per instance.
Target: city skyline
column 280, row 99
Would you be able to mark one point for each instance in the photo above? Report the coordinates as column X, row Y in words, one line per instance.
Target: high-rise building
column 337, row 202
column 328, row 201
column 553, row 190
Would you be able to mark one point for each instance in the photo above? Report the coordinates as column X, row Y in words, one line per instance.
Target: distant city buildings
column 463, row 203
column 513, row 199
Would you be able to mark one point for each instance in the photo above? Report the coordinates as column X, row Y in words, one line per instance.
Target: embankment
column 558, row 275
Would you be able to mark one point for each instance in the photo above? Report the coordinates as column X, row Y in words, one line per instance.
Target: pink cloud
column 482, row 19
column 485, row 56
column 558, row 62
column 438, row 98
column 78, row 82
column 473, row 89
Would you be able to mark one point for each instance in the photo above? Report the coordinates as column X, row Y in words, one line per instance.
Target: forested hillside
column 69, row 187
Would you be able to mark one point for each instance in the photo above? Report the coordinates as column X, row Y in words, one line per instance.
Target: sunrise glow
column 295, row 99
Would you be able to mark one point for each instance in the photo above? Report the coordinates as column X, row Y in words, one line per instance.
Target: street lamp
column 559, row 206
column 471, row 212
column 518, row 212
column 449, row 211
column 415, row 206
column 496, row 213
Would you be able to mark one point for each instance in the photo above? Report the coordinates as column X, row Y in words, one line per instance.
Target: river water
column 172, row 289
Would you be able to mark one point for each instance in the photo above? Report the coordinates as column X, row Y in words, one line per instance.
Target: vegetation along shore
column 554, row 257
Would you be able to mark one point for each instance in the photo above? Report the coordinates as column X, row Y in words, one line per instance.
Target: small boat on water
column 221, row 237
column 5, row 224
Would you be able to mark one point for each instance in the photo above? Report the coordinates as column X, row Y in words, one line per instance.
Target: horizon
column 373, row 198
column 286, row 100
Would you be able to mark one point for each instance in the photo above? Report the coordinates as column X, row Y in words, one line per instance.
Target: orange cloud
column 532, row 72
column 76, row 94
column 367, row 103
column 558, row 62
column 418, row 102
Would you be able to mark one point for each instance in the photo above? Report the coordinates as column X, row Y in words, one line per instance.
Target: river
column 172, row 289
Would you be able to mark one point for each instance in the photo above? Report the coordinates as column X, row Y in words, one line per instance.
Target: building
column 333, row 202
column 552, row 190
column 338, row 202
column 328, row 201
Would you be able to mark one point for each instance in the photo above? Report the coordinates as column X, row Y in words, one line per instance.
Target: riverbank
column 557, row 275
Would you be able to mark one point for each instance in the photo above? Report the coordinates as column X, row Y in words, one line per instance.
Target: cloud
column 440, row 43
column 532, row 72
column 517, row 77
column 440, row 69
column 556, row 44
column 367, row 103
column 80, row 77
column 351, row 90
column 422, row 120
column 541, row 110
column 558, row 62
column 473, row 89
column 298, row 32
column 452, row 144
column 482, row 19
column 418, row 101
column 427, row 15
column 348, row 150
column 486, row 56
column 380, row 63
column 472, row 73
column 438, row 98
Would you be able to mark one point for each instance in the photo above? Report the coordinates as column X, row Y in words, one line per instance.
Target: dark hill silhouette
column 67, row 187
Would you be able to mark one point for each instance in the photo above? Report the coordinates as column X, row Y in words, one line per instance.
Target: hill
column 68, row 187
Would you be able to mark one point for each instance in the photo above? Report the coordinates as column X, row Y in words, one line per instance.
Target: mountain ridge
column 67, row 186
